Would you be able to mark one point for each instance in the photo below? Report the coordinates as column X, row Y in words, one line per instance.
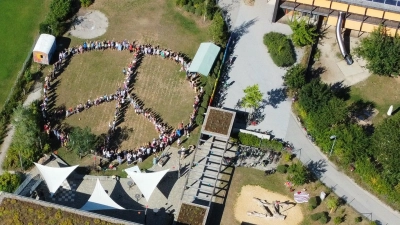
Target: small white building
column 44, row 49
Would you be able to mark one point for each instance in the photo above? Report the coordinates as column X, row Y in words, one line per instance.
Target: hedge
column 280, row 48
column 252, row 140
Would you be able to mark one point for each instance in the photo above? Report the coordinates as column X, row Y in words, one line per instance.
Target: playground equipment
column 272, row 210
column 339, row 39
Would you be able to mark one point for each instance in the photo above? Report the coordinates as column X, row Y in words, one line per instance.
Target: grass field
column 382, row 91
column 19, row 25
column 247, row 176
column 159, row 84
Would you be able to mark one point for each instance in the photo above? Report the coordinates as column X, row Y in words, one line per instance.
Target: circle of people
column 122, row 97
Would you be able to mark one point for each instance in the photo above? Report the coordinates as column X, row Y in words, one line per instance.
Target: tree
column 295, row 77
column 332, row 113
column 218, row 30
column 9, row 182
column 303, row 33
column 60, row 9
column 381, row 52
column 82, row 140
column 252, row 97
column 314, row 95
column 332, row 203
column 385, row 148
column 298, row 174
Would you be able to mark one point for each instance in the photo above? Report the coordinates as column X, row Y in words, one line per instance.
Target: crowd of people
column 123, row 99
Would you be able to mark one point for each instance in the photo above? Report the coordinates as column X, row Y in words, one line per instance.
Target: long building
column 361, row 15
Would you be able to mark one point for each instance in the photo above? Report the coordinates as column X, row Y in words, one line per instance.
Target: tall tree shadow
column 275, row 97
column 341, row 91
column 317, row 167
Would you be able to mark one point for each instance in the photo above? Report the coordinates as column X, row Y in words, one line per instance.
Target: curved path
column 254, row 65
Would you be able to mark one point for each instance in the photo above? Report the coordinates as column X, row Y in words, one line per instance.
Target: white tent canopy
column 146, row 182
column 99, row 200
column 54, row 176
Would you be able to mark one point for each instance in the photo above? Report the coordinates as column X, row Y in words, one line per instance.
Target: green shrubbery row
column 205, row 8
column 56, row 21
column 208, row 83
column 251, row 140
column 280, row 48
column 29, row 142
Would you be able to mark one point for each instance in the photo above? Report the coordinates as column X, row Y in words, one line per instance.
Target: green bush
column 200, row 116
column 280, row 48
column 358, row 219
column 324, row 218
column 313, row 202
column 86, row 3
column 338, row 220
column 281, row 168
column 251, row 140
column 316, row 216
column 303, row 33
column 9, row 182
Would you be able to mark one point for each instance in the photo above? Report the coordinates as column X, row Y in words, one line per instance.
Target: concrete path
column 34, row 95
column 253, row 65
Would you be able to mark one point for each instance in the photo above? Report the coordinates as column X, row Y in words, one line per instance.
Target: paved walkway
column 254, row 66
column 34, row 95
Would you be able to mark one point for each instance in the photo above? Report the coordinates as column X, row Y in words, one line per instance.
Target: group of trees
column 29, row 142
column 324, row 113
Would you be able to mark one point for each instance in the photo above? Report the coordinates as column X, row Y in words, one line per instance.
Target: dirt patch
column 90, row 24
column 246, row 203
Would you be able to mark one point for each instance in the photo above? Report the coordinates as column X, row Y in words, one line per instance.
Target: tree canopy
column 295, row 77
column 381, row 52
column 303, row 33
column 218, row 30
column 314, row 95
column 385, row 148
column 298, row 174
column 252, row 97
column 280, row 48
column 82, row 140
column 9, row 182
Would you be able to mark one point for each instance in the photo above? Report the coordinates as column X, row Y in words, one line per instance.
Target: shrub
column 316, row 216
column 324, row 218
column 9, row 182
column 280, row 49
column 303, row 33
column 358, row 219
column 295, row 77
column 338, row 220
column 281, row 168
column 313, row 202
column 86, row 3
column 287, row 157
column 299, row 174
column 251, row 140
column 218, row 30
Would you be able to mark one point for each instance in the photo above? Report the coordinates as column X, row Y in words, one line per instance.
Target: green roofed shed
column 204, row 58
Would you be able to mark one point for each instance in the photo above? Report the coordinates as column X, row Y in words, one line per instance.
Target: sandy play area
column 246, row 203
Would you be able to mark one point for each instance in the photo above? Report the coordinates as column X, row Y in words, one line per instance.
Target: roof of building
column 204, row 58
column 44, row 43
